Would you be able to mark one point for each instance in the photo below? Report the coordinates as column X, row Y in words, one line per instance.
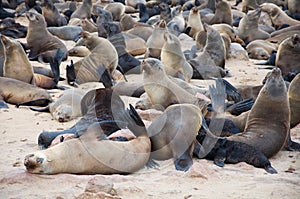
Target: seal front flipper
column 105, row 77
column 152, row 164
column 3, row 104
column 37, row 102
column 184, row 161
column 43, row 109
column 71, row 74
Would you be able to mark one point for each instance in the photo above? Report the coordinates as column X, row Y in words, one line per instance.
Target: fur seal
column 248, row 27
column 117, row 10
column 83, row 11
column 88, row 25
column 287, row 58
column 52, row 15
column 79, row 51
column 294, row 99
column 156, row 41
column 172, row 134
column 177, row 24
column 161, row 90
column 40, row 42
column 293, row 6
column 194, row 22
column 66, row 32
column 267, row 125
column 222, row 14
column 97, row 154
column 173, row 58
column 278, row 16
column 260, row 49
column 15, row 92
column 103, row 56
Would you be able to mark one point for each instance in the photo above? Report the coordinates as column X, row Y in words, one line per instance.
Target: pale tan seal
column 41, row 43
column 161, row 90
column 174, row 60
column 287, row 57
column 15, row 92
column 278, row 16
column 117, row 10
column 267, row 125
column 103, row 56
column 79, row 51
column 293, row 6
column 194, row 22
column 260, row 49
column 156, row 41
column 248, row 27
column 88, row 25
column 172, row 134
column 93, row 153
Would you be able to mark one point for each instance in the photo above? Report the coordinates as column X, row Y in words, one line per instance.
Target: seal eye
column 40, row 160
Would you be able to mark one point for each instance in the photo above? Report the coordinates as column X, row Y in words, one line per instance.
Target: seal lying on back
column 40, row 42
column 93, row 153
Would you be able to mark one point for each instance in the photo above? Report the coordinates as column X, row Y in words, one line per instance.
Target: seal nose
column 276, row 71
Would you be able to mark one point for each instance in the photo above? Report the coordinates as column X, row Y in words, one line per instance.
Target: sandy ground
column 20, row 128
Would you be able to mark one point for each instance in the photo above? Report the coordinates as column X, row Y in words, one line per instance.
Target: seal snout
column 30, row 162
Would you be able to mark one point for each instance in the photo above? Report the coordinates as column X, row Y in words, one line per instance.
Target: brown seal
column 248, row 27
column 293, row 6
column 83, row 11
column 287, row 58
column 260, row 49
column 52, row 15
column 294, row 98
column 41, row 43
column 267, row 125
column 278, row 16
column 15, row 92
column 172, row 134
column 174, row 60
column 222, row 14
column 66, row 32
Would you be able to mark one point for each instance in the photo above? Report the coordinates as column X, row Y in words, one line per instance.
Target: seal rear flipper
column 135, row 123
column 71, row 74
column 55, row 63
column 105, row 78
column 37, row 102
column 152, row 164
column 291, row 145
column 184, row 161
column 3, row 104
column 232, row 92
column 240, row 107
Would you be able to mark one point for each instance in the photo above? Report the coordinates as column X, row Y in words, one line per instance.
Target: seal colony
column 176, row 45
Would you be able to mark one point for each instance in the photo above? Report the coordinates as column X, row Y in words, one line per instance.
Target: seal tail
column 240, row 107
column 37, row 102
column 232, row 92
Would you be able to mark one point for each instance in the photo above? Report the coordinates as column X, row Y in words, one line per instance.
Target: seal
column 248, row 27
column 83, row 11
column 268, row 121
column 117, row 10
column 222, row 13
column 52, row 15
column 156, row 41
column 293, row 6
column 260, row 49
column 194, row 22
column 294, row 99
column 40, row 42
column 278, row 16
column 287, row 55
column 66, row 32
column 79, row 51
column 173, row 133
column 161, row 90
column 174, row 60
column 103, row 56
column 97, row 154
column 14, row 92
column 177, row 23
column 88, row 25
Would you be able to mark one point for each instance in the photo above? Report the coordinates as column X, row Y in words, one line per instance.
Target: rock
column 202, row 169
column 99, row 184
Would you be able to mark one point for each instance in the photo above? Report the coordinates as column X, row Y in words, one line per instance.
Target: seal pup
column 156, row 41
column 278, row 16
column 79, row 51
column 267, row 125
column 248, row 27
column 172, row 134
column 161, row 90
column 52, row 15
column 103, row 56
column 15, row 92
column 97, row 154
column 222, row 13
column 174, row 60
column 177, row 23
column 40, row 42
column 287, row 58
column 83, row 11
